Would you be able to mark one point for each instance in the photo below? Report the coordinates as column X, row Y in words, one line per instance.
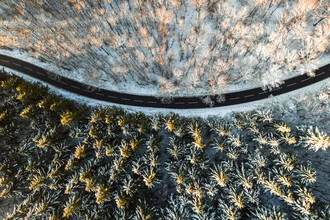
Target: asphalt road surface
column 151, row 101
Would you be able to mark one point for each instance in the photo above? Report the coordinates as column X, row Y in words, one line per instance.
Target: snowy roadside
column 203, row 113
column 133, row 88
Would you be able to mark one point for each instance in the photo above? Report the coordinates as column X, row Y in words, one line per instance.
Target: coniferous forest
column 64, row 160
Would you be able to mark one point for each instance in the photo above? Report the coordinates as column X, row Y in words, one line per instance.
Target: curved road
column 151, row 101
